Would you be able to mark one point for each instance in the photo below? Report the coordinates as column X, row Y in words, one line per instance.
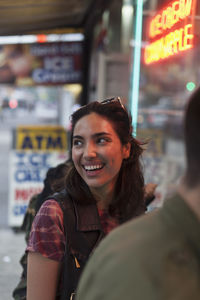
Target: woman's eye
column 101, row 141
column 77, row 143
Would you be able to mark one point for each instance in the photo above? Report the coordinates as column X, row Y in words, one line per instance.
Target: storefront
column 41, row 84
column 40, row 78
column 147, row 53
column 169, row 72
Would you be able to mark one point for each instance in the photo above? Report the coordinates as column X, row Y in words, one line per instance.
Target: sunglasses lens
column 108, row 101
column 117, row 99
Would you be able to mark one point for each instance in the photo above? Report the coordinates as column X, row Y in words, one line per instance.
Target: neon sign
column 171, row 31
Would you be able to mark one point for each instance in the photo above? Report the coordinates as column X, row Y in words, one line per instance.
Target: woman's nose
column 89, row 150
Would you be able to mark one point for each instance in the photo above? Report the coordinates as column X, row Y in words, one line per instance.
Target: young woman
column 105, row 188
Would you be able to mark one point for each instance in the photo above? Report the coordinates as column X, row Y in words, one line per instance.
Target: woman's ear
column 126, row 150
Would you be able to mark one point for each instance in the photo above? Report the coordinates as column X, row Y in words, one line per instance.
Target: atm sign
column 50, row 138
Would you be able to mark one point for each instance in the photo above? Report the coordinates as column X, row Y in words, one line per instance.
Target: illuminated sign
column 171, row 31
column 51, row 138
column 41, row 38
column 27, row 171
column 43, row 62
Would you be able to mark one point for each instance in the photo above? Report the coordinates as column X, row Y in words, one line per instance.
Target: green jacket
column 156, row 256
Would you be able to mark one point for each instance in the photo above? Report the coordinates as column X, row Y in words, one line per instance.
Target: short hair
column 192, row 139
column 53, row 182
column 129, row 190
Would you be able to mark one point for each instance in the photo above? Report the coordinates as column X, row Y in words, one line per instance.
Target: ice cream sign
column 170, row 31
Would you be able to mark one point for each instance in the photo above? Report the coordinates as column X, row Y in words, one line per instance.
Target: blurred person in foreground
column 156, row 256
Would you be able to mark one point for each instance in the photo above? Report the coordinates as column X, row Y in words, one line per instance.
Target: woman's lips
column 93, row 170
column 93, row 167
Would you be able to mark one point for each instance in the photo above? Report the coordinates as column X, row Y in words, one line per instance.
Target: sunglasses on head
column 114, row 99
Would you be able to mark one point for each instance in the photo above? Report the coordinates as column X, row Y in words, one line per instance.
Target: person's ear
column 126, row 150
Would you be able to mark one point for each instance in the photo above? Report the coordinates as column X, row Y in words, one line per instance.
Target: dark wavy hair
column 129, row 190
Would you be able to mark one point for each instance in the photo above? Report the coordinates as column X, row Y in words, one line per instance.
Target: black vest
column 83, row 233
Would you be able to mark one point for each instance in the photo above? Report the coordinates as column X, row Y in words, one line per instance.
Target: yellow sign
column 50, row 138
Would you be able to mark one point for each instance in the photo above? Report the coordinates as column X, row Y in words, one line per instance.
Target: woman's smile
column 93, row 170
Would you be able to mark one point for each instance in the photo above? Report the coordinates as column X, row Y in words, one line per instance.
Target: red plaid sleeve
column 47, row 234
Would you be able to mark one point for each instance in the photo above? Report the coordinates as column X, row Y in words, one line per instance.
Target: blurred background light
column 13, row 103
column 135, row 78
column 41, row 38
column 190, row 86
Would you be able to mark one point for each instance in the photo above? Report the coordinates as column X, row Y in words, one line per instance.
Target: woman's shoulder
column 62, row 199
column 49, row 217
column 48, row 231
column 50, row 204
column 57, row 204
column 50, row 209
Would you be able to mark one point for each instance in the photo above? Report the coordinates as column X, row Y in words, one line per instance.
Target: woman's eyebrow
column 100, row 134
column 77, row 137
column 95, row 135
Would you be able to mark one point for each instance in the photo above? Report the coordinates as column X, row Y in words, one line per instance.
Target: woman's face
column 97, row 151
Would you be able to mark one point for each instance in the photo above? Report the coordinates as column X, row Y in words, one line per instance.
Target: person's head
column 53, row 182
column 105, row 154
column 192, row 140
column 57, row 179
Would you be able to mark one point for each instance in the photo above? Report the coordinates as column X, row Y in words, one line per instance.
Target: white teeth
column 95, row 167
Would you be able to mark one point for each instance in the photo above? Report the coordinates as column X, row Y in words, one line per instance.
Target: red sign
column 171, row 31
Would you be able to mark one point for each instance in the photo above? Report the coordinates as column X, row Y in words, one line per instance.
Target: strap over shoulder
column 79, row 240
column 82, row 223
column 62, row 198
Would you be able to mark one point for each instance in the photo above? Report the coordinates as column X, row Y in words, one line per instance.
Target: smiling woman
column 98, row 154
column 104, row 188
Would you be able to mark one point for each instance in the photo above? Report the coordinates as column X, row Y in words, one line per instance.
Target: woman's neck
column 103, row 198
